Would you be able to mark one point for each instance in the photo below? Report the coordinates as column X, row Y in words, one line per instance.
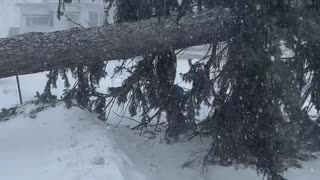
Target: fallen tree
column 37, row 52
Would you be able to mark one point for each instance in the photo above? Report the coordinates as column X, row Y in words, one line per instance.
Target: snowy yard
column 72, row 144
column 218, row 90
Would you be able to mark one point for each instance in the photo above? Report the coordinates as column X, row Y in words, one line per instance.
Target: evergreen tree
column 260, row 98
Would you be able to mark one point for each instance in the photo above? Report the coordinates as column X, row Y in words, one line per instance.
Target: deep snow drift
column 72, row 144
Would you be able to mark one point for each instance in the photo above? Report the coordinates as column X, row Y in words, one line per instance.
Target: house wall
column 78, row 12
column 84, row 15
column 9, row 16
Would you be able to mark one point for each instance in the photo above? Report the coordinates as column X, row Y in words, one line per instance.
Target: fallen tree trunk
column 37, row 52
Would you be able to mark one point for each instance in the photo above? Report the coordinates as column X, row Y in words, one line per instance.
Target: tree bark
column 37, row 52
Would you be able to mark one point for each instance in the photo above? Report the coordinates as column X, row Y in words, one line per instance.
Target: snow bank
column 74, row 145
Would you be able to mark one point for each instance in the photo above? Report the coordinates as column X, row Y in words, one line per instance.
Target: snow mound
column 72, row 144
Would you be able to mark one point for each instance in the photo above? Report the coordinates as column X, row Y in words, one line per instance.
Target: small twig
column 158, row 120
column 78, row 24
column 125, row 110
column 129, row 118
column 162, row 123
column 181, row 50
column 118, row 69
column 137, row 126
column 206, row 159
column 88, row 23
column 111, row 103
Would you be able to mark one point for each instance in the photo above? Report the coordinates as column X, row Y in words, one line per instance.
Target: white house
column 9, row 16
column 42, row 16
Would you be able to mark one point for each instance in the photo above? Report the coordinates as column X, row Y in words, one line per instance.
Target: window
column 40, row 20
column 93, row 18
column 37, row 20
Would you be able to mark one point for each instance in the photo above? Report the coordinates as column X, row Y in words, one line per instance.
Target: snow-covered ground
column 72, row 144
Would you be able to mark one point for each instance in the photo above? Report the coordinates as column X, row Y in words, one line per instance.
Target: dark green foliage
column 262, row 120
column 6, row 114
column 151, row 83
column 45, row 97
column 250, row 125
column 84, row 90
column 42, row 102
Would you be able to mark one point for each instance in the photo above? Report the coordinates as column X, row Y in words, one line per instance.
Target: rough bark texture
column 36, row 52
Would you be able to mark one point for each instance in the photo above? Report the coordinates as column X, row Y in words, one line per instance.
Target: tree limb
column 36, row 52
